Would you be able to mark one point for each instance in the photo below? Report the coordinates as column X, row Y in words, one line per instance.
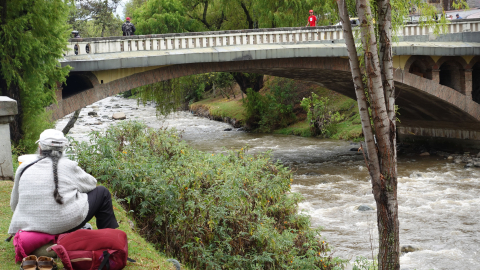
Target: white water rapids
column 439, row 204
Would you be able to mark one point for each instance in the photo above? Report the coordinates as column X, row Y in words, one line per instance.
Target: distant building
column 447, row 4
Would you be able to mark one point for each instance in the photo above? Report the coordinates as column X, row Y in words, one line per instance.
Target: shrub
column 323, row 121
column 273, row 110
column 212, row 211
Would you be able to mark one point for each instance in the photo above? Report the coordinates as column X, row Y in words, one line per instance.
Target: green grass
column 138, row 249
column 222, row 107
column 349, row 129
column 300, row 129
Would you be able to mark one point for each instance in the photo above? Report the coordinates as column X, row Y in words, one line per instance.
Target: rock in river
column 364, row 208
column 408, row 248
column 119, row 116
column 92, row 113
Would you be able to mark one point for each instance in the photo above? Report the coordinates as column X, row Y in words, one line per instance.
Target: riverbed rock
column 450, row 157
column 365, row 208
column 354, row 149
column 227, row 129
column 457, row 161
column 105, row 116
column 408, row 248
column 92, row 113
column 119, row 116
column 476, row 164
column 468, row 165
column 425, row 154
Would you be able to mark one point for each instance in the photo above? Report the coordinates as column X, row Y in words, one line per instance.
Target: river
column 439, row 204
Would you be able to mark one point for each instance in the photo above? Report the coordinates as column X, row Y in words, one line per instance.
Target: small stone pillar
column 8, row 109
column 436, row 75
column 468, row 84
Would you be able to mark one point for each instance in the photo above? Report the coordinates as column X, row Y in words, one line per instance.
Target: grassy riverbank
column 139, row 249
column 349, row 128
column 212, row 211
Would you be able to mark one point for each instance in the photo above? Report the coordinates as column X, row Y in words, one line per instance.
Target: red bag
column 93, row 249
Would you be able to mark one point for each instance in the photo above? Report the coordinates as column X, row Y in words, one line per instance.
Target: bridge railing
column 85, row 46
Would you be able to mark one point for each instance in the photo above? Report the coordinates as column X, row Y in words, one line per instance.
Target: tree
column 33, row 36
column 95, row 18
column 167, row 16
column 375, row 92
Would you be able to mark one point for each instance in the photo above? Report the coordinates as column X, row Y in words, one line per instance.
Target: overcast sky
column 121, row 8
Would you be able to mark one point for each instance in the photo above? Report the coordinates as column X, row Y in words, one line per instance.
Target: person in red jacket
column 312, row 19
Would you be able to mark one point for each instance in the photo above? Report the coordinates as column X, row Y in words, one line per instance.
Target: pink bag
column 26, row 242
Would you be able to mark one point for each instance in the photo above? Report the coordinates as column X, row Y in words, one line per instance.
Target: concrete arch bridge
column 437, row 77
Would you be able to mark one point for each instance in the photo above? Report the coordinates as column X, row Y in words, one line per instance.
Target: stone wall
column 474, row 3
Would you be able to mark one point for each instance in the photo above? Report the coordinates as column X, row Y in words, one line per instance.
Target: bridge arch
column 420, row 65
column 418, row 98
column 475, row 64
column 78, row 82
column 452, row 72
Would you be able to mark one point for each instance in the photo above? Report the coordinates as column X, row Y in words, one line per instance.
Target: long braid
column 55, row 156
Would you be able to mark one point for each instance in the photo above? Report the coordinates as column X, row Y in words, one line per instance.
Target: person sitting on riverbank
column 53, row 195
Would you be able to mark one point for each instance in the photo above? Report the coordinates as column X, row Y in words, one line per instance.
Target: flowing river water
column 439, row 204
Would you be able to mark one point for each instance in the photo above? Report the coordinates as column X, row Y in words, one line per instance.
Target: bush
column 271, row 111
column 323, row 121
column 212, row 211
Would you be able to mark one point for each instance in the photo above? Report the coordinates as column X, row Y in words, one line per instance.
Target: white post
column 8, row 109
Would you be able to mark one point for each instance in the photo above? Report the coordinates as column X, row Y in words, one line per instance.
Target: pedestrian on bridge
column 312, row 19
column 128, row 28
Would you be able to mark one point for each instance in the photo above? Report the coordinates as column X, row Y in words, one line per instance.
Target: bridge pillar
column 436, row 75
column 8, row 109
column 468, row 84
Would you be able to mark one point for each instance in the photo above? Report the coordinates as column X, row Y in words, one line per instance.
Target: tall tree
column 33, row 36
column 95, row 18
column 375, row 92
column 173, row 16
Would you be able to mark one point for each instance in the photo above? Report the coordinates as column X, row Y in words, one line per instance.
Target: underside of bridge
column 426, row 106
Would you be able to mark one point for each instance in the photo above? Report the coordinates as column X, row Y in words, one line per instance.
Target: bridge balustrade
column 240, row 37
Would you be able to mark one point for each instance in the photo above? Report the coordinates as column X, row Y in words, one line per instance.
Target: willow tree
column 33, row 36
column 375, row 93
column 177, row 16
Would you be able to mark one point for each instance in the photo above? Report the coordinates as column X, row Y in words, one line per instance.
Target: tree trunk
column 71, row 123
column 386, row 63
column 359, row 90
column 385, row 187
column 248, row 80
column 381, row 158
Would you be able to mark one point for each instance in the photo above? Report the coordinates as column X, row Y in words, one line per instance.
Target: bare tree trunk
column 379, row 84
column 385, row 188
column 71, row 123
column 386, row 63
column 359, row 89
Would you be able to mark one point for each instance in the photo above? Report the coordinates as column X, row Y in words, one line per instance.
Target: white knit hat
column 52, row 137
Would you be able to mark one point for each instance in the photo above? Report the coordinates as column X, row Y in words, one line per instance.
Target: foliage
column 179, row 92
column 95, row 18
column 33, row 36
column 213, row 211
column 164, row 16
column 362, row 263
column 323, row 121
column 273, row 110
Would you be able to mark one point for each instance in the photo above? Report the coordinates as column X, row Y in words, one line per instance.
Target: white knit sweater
column 32, row 202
